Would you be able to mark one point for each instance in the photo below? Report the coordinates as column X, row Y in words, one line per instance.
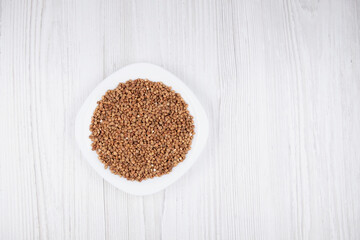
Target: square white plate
column 156, row 74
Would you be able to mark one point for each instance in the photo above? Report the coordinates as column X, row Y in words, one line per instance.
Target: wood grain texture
column 280, row 81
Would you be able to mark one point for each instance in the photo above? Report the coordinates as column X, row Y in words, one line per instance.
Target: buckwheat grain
column 141, row 129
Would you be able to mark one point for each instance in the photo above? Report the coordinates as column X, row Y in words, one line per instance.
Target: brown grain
column 141, row 129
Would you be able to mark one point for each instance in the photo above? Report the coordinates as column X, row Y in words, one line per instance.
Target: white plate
column 156, row 74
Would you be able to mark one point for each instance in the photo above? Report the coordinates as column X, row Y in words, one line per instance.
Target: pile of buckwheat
column 141, row 129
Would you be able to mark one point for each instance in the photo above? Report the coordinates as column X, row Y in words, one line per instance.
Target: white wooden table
column 280, row 81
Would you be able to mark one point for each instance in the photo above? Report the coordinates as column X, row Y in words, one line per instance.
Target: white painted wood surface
column 280, row 81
